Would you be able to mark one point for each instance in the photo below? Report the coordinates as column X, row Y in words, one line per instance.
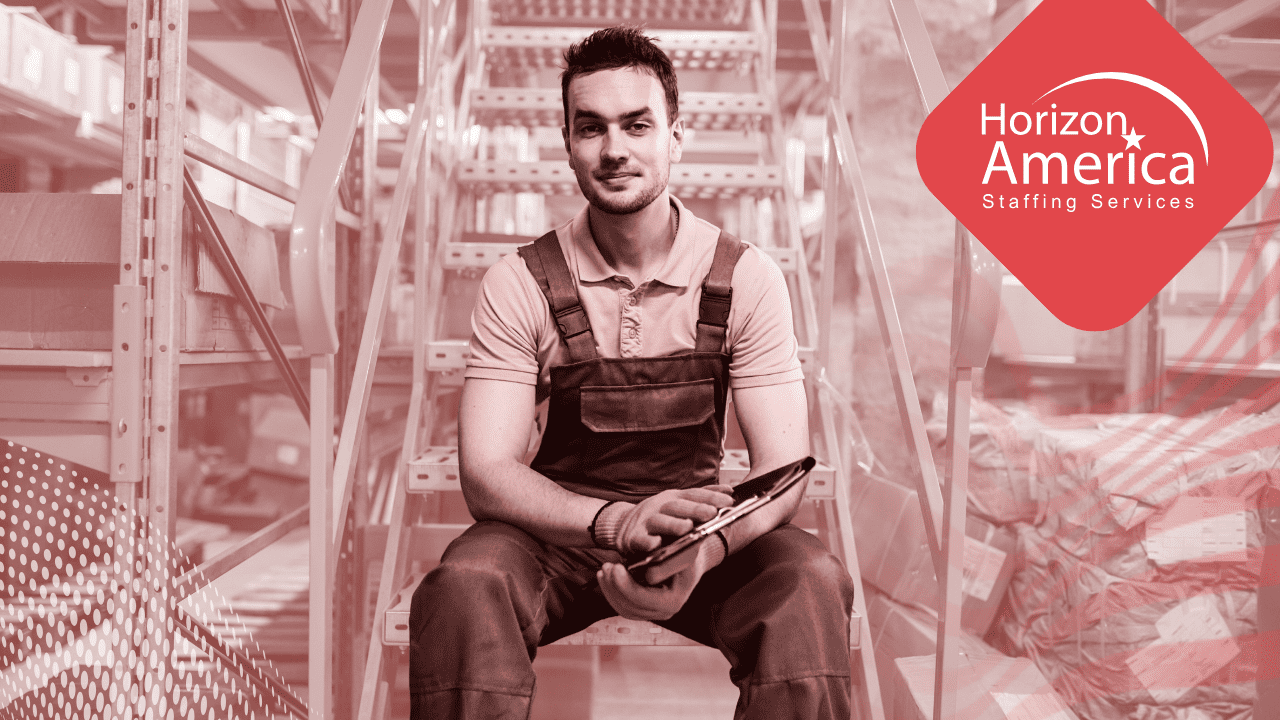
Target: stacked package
column 1136, row 589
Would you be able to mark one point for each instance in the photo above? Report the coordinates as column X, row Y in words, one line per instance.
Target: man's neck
column 636, row 245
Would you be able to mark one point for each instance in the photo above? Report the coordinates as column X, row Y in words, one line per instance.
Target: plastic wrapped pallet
column 1137, row 640
column 1101, row 482
column 1000, row 446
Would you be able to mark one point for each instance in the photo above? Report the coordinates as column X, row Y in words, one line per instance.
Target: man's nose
column 615, row 145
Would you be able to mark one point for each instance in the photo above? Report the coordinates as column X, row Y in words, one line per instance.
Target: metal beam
column 258, row 26
column 209, row 69
column 238, row 14
column 232, row 557
column 1243, row 53
column 1233, row 17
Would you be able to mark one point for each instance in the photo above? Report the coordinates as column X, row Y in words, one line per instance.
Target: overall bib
column 625, row 429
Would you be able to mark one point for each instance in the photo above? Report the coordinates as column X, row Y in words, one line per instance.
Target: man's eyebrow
column 592, row 115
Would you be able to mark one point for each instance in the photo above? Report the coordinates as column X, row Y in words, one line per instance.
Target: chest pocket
column 639, row 408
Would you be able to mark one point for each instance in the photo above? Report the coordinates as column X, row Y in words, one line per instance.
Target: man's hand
column 635, row 530
column 641, row 602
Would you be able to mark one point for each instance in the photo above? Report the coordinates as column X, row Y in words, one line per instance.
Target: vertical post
column 165, row 339
column 830, row 233
column 320, row 606
column 1136, row 349
column 946, row 671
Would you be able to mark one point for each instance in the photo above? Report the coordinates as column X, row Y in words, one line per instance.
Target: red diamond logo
column 1094, row 152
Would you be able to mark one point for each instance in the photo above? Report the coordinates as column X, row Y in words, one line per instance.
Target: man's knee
column 805, row 564
column 484, row 567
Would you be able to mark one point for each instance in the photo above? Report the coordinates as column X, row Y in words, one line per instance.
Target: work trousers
column 778, row 609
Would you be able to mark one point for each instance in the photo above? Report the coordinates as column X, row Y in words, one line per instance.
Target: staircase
column 497, row 178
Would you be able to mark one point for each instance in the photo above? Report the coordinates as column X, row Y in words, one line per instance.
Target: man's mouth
column 607, row 177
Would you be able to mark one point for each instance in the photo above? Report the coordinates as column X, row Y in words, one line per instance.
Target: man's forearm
column 778, row 512
column 517, row 495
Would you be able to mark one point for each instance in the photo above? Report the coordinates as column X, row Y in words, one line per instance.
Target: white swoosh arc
column 1149, row 84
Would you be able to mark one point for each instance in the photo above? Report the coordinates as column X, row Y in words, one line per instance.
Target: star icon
column 1132, row 139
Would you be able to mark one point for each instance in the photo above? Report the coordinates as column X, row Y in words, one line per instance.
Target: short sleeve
column 507, row 324
column 761, row 338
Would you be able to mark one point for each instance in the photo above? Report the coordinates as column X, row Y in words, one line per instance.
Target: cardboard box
column 280, row 441
column 899, row 631
column 214, row 318
column 894, row 553
column 59, row 258
column 989, row 687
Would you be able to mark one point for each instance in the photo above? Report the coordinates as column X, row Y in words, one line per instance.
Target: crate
column 111, row 87
column 38, row 61
column 6, row 37
column 90, row 99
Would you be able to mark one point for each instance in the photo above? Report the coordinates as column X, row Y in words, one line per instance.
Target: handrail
column 420, row 123
column 309, row 246
column 844, row 155
column 304, row 72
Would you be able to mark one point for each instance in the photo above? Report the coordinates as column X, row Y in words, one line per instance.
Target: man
column 633, row 318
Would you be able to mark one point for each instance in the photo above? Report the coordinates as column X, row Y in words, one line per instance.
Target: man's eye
column 588, row 129
column 639, row 128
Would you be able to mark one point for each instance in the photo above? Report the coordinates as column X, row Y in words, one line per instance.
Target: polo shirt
column 514, row 335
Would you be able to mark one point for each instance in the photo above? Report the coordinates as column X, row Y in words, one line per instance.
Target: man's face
column 620, row 144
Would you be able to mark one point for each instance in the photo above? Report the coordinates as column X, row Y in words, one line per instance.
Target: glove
column 636, row 530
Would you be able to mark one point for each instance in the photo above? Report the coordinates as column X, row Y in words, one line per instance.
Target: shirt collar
column 675, row 272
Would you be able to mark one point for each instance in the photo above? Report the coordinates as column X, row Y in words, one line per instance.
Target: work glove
column 634, row 530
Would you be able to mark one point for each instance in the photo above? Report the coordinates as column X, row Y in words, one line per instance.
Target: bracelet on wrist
column 592, row 528
column 723, row 541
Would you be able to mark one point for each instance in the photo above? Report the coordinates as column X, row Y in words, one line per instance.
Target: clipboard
column 748, row 497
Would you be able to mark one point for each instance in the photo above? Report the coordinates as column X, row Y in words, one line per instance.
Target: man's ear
column 564, row 133
column 677, row 139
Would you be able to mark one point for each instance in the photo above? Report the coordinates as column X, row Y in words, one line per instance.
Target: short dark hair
column 621, row 46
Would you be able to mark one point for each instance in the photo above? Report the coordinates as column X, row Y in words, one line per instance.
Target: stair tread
column 542, row 47
column 543, row 107
column 687, row 180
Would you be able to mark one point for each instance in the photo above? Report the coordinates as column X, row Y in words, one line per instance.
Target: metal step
column 436, row 470
column 451, row 355
column 479, row 255
column 693, row 13
column 610, row 631
column 543, row 107
column 535, row 48
column 553, row 177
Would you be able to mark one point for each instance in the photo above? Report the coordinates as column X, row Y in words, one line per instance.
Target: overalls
column 625, row 429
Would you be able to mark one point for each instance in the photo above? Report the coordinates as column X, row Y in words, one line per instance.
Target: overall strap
column 546, row 263
column 717, row 294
